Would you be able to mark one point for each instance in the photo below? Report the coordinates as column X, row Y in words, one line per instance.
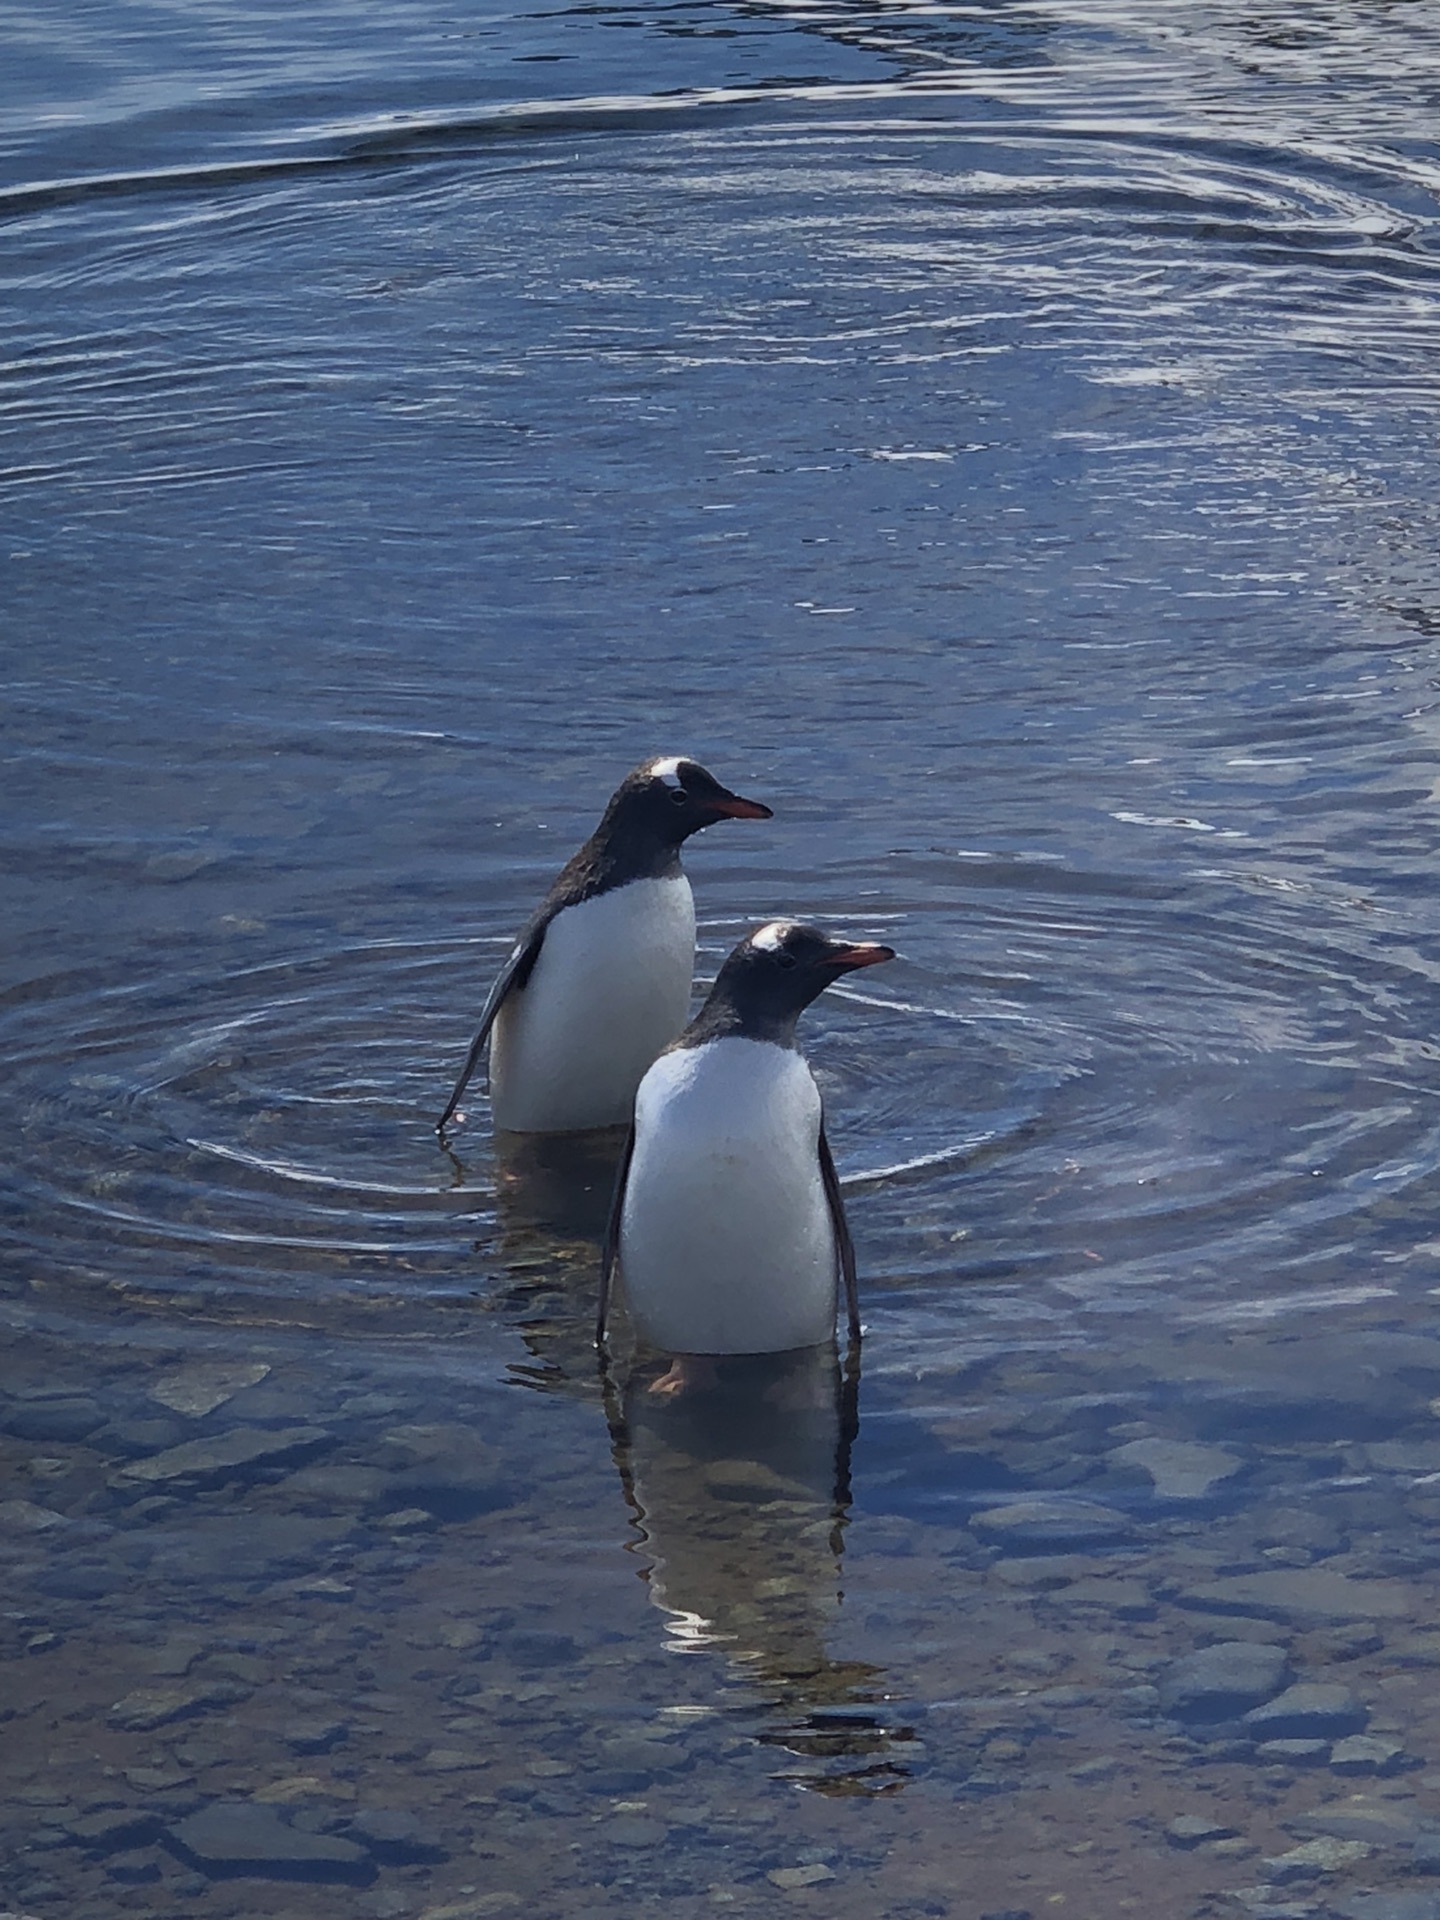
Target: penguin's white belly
column 610, row 988
column 726, row 1242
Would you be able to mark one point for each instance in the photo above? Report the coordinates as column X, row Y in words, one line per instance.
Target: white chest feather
column 726, row 1241
column 610, row 989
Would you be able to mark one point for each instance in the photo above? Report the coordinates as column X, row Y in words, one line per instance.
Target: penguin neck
column 616, row 854
column 721, row 1019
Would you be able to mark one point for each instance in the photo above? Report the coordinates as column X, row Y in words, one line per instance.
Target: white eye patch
column 771, row 938
column 668, row 771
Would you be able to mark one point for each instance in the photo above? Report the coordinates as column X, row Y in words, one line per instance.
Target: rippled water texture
column 1002, row 439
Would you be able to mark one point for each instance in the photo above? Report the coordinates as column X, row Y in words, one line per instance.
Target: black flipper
column 610, row 1253
column 844, row 1245
column 515, row 972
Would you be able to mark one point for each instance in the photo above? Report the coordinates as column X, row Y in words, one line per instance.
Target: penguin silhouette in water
column 599, row 981
column 727, row 1230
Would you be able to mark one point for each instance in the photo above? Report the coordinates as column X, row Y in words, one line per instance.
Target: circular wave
column 266, row 1131
column 1093, row 1088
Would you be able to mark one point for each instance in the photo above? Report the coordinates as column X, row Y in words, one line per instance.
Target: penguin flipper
column 610, row 1253
column 844, row 1245
column 515, row 972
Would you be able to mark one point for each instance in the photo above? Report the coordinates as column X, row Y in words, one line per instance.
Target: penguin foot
column 688, row 1373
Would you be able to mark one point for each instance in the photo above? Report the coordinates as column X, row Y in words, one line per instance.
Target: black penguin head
column 668, row 800
column 772, row 976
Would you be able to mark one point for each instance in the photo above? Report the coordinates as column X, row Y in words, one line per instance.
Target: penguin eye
column 786, row 960
column 679, row 797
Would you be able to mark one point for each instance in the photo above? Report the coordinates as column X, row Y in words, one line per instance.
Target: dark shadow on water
column 551, row 1198
column 740, row 1495
column 555, row 1186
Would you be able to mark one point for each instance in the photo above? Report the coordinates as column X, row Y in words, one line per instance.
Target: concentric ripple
column 1009, row 435
column 258, row 1132
column 1101, row 1090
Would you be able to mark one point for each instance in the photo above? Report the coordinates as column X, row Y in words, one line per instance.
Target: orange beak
column 730, row 806
column 861, row 953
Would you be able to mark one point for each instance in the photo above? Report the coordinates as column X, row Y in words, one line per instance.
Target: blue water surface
column 1000, row 437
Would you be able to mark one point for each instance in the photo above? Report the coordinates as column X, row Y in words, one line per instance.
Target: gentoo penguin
column 727, row 1227
column 599, row 981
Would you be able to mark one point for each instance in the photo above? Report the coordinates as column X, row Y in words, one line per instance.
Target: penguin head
column 772, row 976
column 671, row 799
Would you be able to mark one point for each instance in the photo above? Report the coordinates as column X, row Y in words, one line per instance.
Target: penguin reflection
column 739, row 1491
column 556, row 1188
column 551, row 1195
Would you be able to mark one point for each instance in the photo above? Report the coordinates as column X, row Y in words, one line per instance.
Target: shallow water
column 1000, row 438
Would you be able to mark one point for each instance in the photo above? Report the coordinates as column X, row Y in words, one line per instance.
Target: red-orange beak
column 731, row 806
column 860, row 953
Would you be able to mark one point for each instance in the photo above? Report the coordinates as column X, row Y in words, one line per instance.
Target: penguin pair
column 727, row 1229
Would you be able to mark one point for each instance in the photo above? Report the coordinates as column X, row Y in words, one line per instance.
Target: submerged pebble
column 150, row 1707
column 1294, row 1753
column 1362, row 1753
column 219, row 1456
column 791, row 1879
column 395, row 1834
column 200, row 1388
column 113, row 1828
column 1046, row 1524
column 1312, row 1710
column 1312, row 1858
column 1190, row 1829
column 1222, row 1681
column 1302, row 1596
column 237, row 1837
column 1180, row 1470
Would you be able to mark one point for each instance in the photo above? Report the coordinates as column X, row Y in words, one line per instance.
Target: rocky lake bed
column 280, row 1641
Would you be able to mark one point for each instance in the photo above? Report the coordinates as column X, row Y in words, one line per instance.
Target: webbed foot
column 688, row 1373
